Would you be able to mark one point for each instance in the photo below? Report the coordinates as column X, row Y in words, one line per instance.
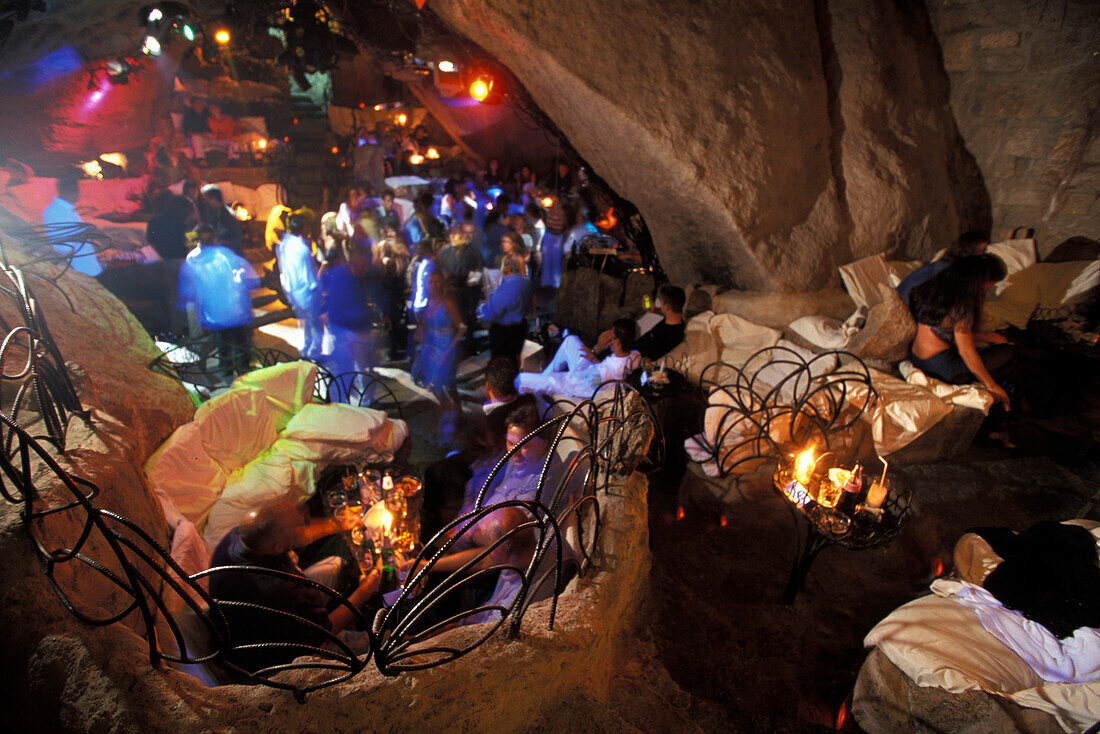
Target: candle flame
column 804, row 465
column 387, row 521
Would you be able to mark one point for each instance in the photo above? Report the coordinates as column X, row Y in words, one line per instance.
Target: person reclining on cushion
column 576, row 372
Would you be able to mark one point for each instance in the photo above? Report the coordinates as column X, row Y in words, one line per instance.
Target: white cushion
column 822, row 331
column 236, row 427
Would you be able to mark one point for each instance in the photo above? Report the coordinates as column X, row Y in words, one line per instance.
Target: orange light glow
column 679, row 513
column 222, row 36
column 433, row 153
column 722, row 521
column 937, row 567
column 401, row 119
column 547, row 202
column 804, row 465
column 416, row 159
column 286, row 139
column 261, row 143
column 842, row 715
column 480, row 89
column 362, row 105
column 335, row 150
column 609, row 220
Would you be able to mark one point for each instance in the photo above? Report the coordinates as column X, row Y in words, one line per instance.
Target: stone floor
column 718, row 650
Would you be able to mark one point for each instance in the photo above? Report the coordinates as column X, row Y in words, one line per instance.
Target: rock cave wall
column 1025, row 89
column 764, row 142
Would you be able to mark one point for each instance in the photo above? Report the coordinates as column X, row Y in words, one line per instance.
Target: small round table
column 829, row 526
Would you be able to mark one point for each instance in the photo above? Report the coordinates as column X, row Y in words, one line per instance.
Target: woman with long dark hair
column 947, row 310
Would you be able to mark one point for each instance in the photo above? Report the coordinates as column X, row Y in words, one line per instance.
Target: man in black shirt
column 213, row 211
column 664, row 336
column 266, row 539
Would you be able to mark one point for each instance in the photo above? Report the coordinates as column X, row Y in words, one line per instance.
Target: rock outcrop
column 763, row 142
column 1025, row 89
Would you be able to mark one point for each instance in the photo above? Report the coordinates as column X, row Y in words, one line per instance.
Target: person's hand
column 999, row 395
column 604, row 340
column 994, row 338
column 587, row 354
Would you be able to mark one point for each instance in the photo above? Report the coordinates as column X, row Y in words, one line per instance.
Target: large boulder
column 738, row 128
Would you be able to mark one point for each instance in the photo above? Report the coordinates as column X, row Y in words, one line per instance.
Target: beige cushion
column 862, row 277
column 236, row 427
column 902, row 413
column 288, row 387
column 182, row 470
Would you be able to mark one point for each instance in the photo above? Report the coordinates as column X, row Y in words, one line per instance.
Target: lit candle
column 387, row 520
column 876, row 494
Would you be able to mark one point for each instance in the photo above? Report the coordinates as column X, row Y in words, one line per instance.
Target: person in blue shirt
column 62, row 210
column 349, row 311
column 298, row 276
column 218, row 283
column 507, row 309
column 970, row 243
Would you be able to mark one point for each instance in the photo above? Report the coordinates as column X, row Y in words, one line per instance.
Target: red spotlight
column 481, row 87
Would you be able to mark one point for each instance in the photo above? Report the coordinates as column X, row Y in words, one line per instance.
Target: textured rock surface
column 1025, row 89
column 132, row 411
column 776, row 310
column 889, row 329
column 886, row 700
column 731, row 125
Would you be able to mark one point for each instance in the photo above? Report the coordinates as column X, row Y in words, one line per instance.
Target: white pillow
column 822, row 331
column 338, row 423
column 1016, row 255
column 862, row 277
column 182, row 470
column 1082, row 287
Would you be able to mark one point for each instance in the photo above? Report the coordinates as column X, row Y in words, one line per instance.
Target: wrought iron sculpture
column 43, row 383
column 58, row 243
column 200, row 361
column 778, row 398
column 363, row 389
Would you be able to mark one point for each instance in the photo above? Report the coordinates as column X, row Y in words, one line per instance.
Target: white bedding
column 940, row 642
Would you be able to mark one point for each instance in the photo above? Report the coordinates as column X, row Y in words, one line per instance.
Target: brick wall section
column 1025, row 90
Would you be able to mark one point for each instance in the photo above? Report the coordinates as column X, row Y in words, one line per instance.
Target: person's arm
column 315, row 530
column 964, row 342
column 990, row 337
column 456, row 318
column 341, row 617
